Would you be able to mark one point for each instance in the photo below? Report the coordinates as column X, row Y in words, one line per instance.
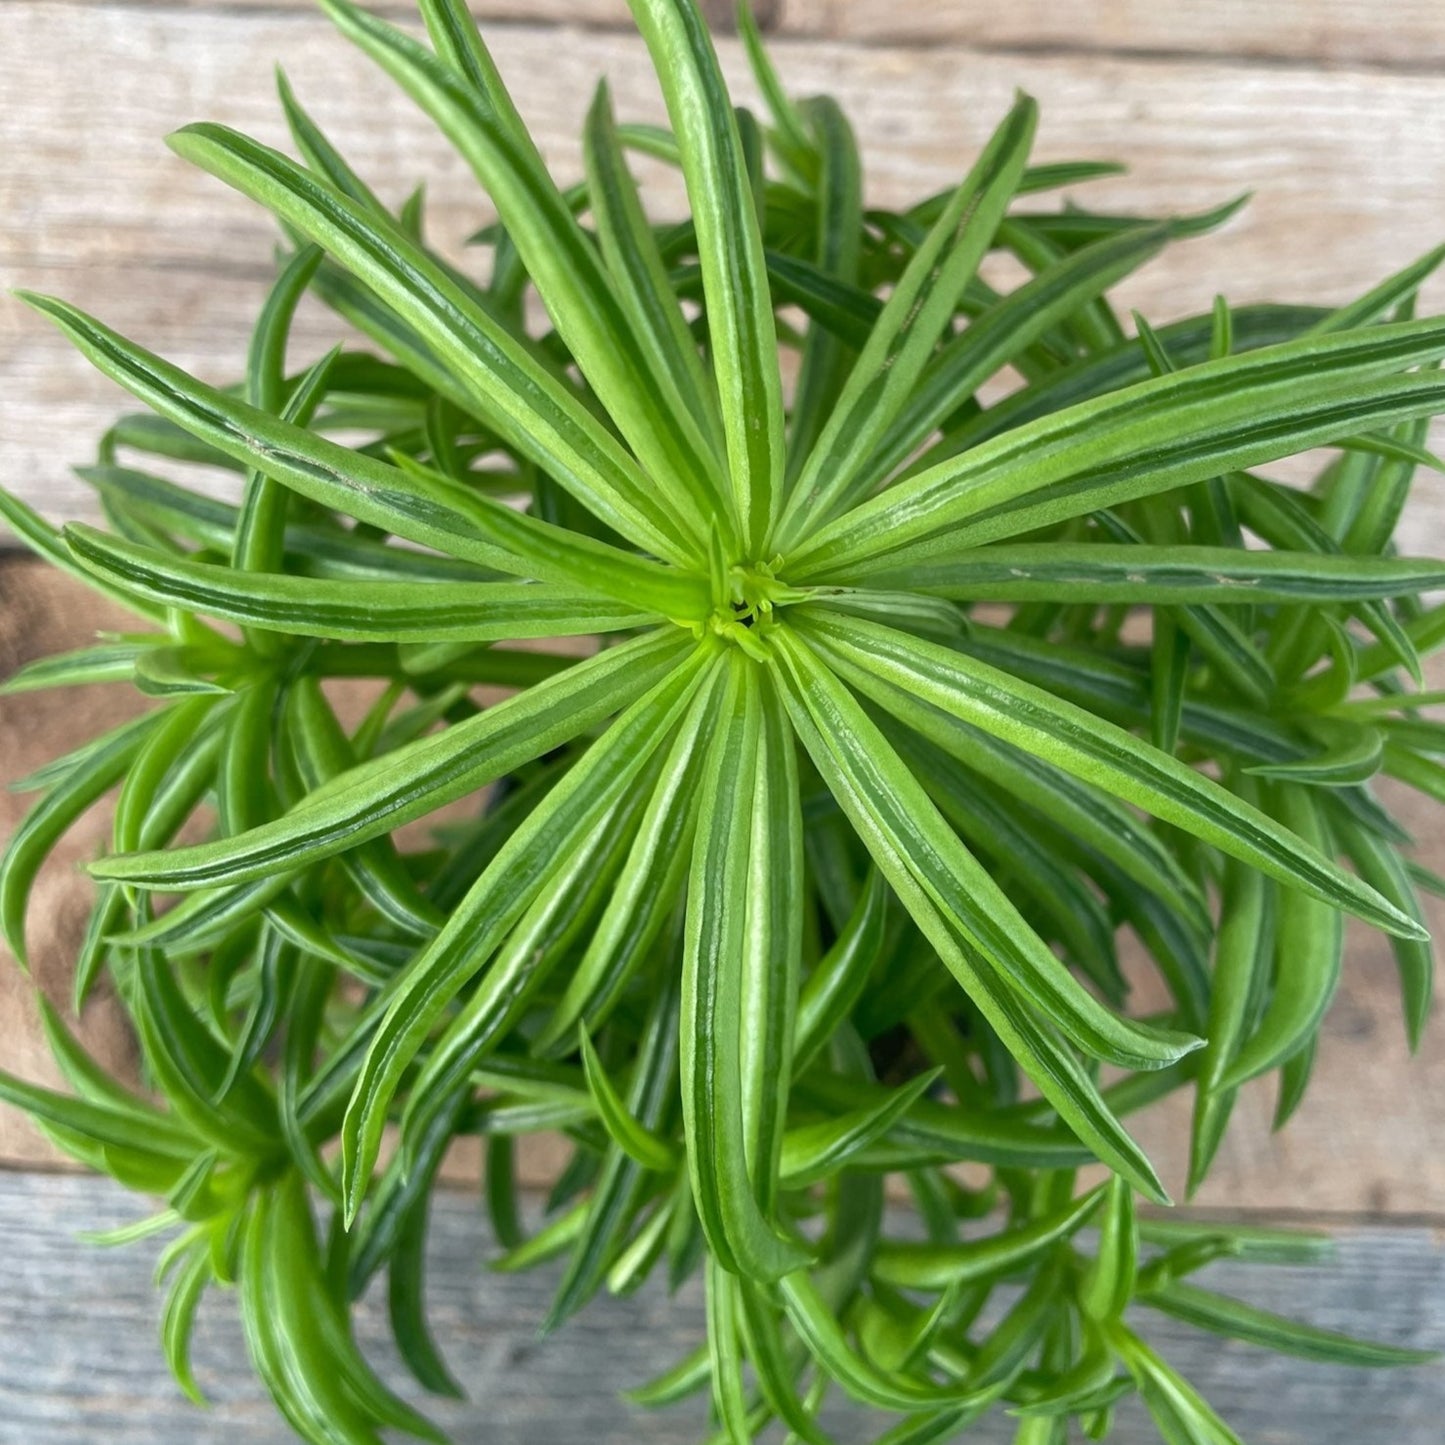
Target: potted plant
column 798, row 867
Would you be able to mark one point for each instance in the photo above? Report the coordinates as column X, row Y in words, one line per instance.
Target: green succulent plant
column 802, row 867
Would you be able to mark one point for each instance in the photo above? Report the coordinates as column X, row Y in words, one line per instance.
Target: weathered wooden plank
column 1348, row 167
column 1369, row 1139
column 802, row 17
column 1345, row 32
column 79, row 1362
column 1335, row 32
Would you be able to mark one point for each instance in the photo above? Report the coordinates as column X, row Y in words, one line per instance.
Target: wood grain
column 1349, row 168
column 79, row 1362
column 1410, row 35
column 1369, row 1139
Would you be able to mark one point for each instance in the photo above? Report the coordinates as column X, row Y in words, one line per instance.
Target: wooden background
column 1333, row 111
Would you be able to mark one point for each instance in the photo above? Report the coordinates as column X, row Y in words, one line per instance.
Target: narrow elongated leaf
column 896, row 668
column 836, row 982
column 636, row 266
column 1179, row 1412
column 999, row 335
column 1309, row 940
column 408, row 500
column 1185, row 427
column 108, row 662
column 632, row 381
column 727, row 1184
column 512, row 393
column 846, row 749
column 904, row 337
column 47, row 822
column 739, row 306
column 1381, row 866
column 648, row 887
column 621, row 1185
column 633, row 1138
column 379, row 795
column 821, row 1332
column 932, row 1266
column 1109, row 1285
column 987, row 922
column 814, row 1151
column 1242, row 953
column 827, row 359
column 1109, row 572
column 260, row 530
column 1237, row 1320
column 384, row 611
column 495, row 902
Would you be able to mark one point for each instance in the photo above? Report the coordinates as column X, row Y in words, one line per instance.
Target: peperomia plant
column 800, row 870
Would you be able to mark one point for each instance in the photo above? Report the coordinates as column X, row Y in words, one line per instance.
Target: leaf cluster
column 845, row 730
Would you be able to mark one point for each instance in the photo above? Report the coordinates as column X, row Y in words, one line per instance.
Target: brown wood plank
column 1369, row 1139
column 79, row 1362
column 1348, row 167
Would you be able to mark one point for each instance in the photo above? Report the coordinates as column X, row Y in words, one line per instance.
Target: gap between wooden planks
column 1349, row 166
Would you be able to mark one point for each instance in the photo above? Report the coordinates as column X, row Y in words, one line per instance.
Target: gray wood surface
column 79, row 1362
column 1348, row 164
column 1408, row 35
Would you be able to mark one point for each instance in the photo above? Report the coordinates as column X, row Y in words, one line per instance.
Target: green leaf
column 829, row 992
column 509, row 390
column 634, row 1139
column 1237, row 1320
column 987, row 923
column 933, row 1266
column 1002, row 333
column 730, row 1178
column 107, row 662
column 178, row 1320
column 261, row 525
column 646, row 892
column 815, row 1151
column 632, row 381
column 739, row 305
column 903, row 672
column 1173, row 576
column 1309, row 939
column 495, row 902
column 827, row 358
column 46, row 542
column 824, row 1337
column 636, row 266
column 1109, row 1284
column 1181, row 1415
column 1381, row 866
column 892, row 815
column 622, row 1183
column 51, row 818
column 903, row 339
column 406, row 499
column 381, row 794
column 933, row 1132
column 388, row 611
column 1189, row 426
column 1242, row 952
